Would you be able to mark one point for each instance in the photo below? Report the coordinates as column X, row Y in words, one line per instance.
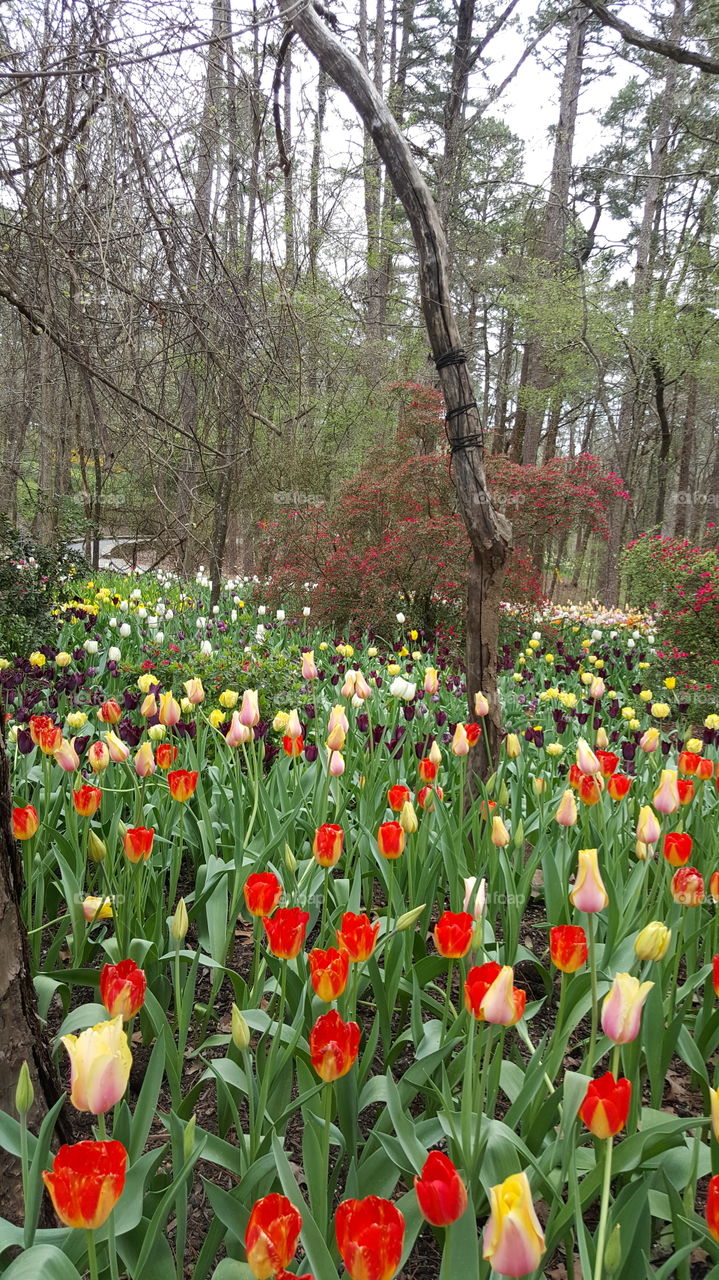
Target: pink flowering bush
column 680, row 583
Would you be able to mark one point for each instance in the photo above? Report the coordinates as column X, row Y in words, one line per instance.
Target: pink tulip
column 622, row 1008
column 586, row 759
column 588, row 893
column 309, row 669
column 119, row 750
column 362, row 689
column 337, row 764
column 149, row 706
column 666, row 797
column 649, row 741
column 460, row 743
column 250, row 709
column 144, row 761
column 238, row 733
column 169, row 712
column 648, row 829
column 566, row 814
column 66, row 756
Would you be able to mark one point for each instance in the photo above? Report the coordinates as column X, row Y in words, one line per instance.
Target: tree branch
column 653, row 44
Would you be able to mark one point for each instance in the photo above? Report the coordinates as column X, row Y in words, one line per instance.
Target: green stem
column 677, row 962
column 589, row 1060
column 92, row 1256
column 25, row 1166
column 111, row 1247
column 323, row 1215
column 447, row 1002
column 603, row 1213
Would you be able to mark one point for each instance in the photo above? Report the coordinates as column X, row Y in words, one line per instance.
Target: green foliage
column 33, row 579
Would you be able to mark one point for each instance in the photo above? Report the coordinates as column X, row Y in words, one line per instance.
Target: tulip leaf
column 230, row 1269
column 40, row 1161
column 86, row 1015
column 42, row 1260
column 318, row 1255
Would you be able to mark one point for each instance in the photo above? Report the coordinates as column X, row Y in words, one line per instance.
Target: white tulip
column 90, row 646
column 114, row 654
column 125, row 630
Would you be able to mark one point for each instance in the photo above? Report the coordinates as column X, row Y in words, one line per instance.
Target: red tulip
column 427, row 769
column 38, row 725
column 293, row 746
column 677, row 848
column 618, row 785
column 606, row 1105
column 122, row 989
column 687, row 887
column 686, row 789
column 272, row 1234
column 110, row 712
column 358, row 937
column 712, row 1209
column 441, row 1193
column 609, row 761
column 327, row 844
column 137, row 843
column 286, row 931
column 87, row 800
column 474, row 733
column 568, row 947
column 45, row 734
column 86, row 1182
column 688, row 761
column 25, row 822
column 714, row 886
column 329, row 971
column 370, row 1237
column 334, row 1046
column 453, row 934
column 390, row 840
column 426, row 795
column 715, row 975
column 490, row 996
column 182, row 783
column 589, row 788
column 704, row 769
column 396, row 798
column 165, row 755
column 262, row 892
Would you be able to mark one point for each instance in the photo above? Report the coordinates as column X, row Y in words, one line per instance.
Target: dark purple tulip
column 185, row 728
column 131, row 700
column 334, row 679
column 81, row 744
column 363, row 722
column 309, row 710
column 582, row 717
column 130, row 733
column 311, row 753
column 629, row 750
column 408, row 712
column 25, row 743
column 261, row 730
column 613, row 709
column 377, row 733
column 441, row 718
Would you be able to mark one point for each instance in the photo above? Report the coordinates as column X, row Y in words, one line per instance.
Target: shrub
column 33, row 580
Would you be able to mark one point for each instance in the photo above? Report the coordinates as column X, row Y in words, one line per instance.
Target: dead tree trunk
column 489, row 532
column 22, row 1038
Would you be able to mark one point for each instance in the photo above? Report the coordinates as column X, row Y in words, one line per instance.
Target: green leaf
column 42, row 1261
column 318, row 1255
column 229, row 1269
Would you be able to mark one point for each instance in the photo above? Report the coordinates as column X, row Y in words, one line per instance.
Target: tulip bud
column 499, row 836
column 240, row 1030
column 503, row 795
column 481, row 706
column 180, row 922
column 714, row 1100
column 512, row 746
column 408, row 818
column 602, row 741
column 409, row 918
column 435, row 753
column 653, row 941
column 290, row 859
column 586, row 759
column 336, row 764
column 24, row 1092
column 566, row 814
column 613, row 1252
column 648, row 829
column 96, row 850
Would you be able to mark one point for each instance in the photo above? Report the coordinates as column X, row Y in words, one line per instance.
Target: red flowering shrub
column 679, row 582
column 393, row 536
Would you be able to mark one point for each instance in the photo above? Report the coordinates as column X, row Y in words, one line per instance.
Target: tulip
column 590, row 787
column 149, row 706
column 390, row 840
column 606, row 1105
column 500, row 835
column 688, row 761
column 63, row 659
column 336, row 738
column 336, row 765
column 286, row 931
column 678, row 848
column 435, row 754
column 512, row 746
column 362, row 690
column 568, row 947
column 110, row 712
column 712, row 1208
column 618, row 785
column 649, row 740
column 194, row 690
column 77, row 719
column 179, row 923
column 453, row 934
column 348, row 688
column 425, row 797
column 67, row 758
column 144, row 761
column 271, row 1237
column 648, row 829
column 327, row 844
column 240, row 1031
column 489, row 994
column 481, row 705
column 427, row 770
column 99, row 757
column 250, row 709
column 597, row 688
column 119, row 750
column 705, row 770
column 25, row 822
column 49, row 738
column 653, row 941
column 566, row 814
column 431, row 680
column 513, row 1239
column 87, row 800
column 357, row 936
column 403, row 688
column 441, row 1193
column 334, row 1046
column 97, row 909
column 686, row 789
column 100, row 1062
column 370, row 1237
column 165, row 755
column 169, row 712
column 601, row 741
column 475, row 896
column 586, row 759
column 666, row 797
column 714, row 1105
column 460, row 743
column 396, row 797
column 137, row 843
column 687, row 887
column 309, row 670
column 622, row 1008
column 229, row 699
column 329, row 971
column 86, row 1182
column 122, row 989
column 589, row 893
column 608, row 762
column 714, row 886
column 238, row 734
column 263, row 892
column 182, row 784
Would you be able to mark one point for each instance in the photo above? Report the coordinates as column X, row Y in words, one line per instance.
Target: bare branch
column 653, row 44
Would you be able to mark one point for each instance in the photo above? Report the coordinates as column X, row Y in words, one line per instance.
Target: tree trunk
column 683, row 494
column 22, row 1037
column 489, row 532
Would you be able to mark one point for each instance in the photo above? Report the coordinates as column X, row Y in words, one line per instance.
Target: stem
column 92, row 1256
column 324, row 1187
column 111, row 1248
column 589, row 1060
column 325, row 895
column 447, row 1002
column 25, row 1165
column 603, row 1213
column 677, row 962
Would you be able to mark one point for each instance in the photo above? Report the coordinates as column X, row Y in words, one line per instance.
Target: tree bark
column 22, row 1037
column 489, row 532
